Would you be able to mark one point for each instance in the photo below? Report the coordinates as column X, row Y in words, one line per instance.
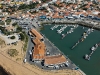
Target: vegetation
column 56, row 5
column 4, row 31
column 13, row 52
column 25, row 6
column 26, row 41
column 82, row 6
column 19, row 29
column 2, row 42
column 14, row 24
column 8, row 21
column 24, row 37
column 43, row 1
column 2, row 23
column 12, row 37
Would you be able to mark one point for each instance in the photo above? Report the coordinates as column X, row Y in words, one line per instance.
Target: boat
column 93, row 48
column 62, row 34
column 87, row 57
column 96, row 45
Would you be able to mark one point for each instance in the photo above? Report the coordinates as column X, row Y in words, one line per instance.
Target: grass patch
column 25, row 39
column 13, row 52
column 2, row 42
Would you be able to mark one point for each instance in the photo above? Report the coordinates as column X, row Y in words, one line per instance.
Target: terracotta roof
column 37, row 34
column 52, row 60
column 39, row 48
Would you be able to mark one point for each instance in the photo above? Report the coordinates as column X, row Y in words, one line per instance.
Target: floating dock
column 85, row 34
column 88, row 56
column 70, row 31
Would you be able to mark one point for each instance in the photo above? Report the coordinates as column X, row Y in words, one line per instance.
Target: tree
column 14, row 24
column 22, row 37
column 12, row 37
column 19, row 29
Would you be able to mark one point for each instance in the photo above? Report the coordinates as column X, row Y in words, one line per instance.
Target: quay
column 86, row 23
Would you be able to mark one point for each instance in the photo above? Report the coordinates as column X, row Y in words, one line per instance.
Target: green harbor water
column 91, row 67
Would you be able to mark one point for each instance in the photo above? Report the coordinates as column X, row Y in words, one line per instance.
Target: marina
column 93, row 49
column 61, row 29
column 77, row 54
column 85, row 34
column 70, row 31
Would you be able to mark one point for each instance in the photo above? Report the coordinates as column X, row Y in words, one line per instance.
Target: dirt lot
column 15, row 66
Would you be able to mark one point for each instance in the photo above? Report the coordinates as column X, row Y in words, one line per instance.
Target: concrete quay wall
column 86, row 23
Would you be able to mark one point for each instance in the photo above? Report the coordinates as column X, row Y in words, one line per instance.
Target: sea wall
column 86, row 23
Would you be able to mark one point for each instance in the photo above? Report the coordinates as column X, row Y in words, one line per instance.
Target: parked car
column 24, row 60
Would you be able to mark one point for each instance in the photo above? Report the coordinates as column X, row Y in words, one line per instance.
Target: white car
column 25, row 60
column 30, row 52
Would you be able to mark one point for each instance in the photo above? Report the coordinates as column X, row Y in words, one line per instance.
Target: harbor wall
column 63, row 54
column 86, row 23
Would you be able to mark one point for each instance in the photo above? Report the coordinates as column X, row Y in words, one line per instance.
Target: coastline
column 95, row 25
column 82, row 73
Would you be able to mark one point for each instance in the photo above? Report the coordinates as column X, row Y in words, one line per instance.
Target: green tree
column 22, row 37
column 19, row 29
column 12, row 37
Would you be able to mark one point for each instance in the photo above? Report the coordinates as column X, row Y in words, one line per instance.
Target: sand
column 20, row 68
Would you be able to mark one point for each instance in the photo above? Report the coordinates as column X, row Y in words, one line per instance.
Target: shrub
column 13, row 52
column 12, row 37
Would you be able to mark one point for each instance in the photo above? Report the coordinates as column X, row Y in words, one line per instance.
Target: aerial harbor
column 49, row 37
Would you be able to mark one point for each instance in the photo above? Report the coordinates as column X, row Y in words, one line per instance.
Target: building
column 54, row 61
column 38, row 53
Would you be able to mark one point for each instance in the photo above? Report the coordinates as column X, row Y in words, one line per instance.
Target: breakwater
column 86, row 23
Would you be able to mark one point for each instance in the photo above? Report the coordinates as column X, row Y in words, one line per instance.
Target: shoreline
column 82, row 73
column 89, row 24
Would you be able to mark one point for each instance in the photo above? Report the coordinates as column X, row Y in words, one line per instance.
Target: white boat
column 87, row 57
column 93, row 48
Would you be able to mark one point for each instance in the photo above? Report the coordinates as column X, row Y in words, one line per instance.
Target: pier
column 70, row 31
column 88, row 56
column 85, row 34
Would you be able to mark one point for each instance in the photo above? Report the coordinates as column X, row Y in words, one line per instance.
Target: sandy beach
column 17, row 67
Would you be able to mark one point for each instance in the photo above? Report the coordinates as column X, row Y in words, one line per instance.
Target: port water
column 90, row 67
